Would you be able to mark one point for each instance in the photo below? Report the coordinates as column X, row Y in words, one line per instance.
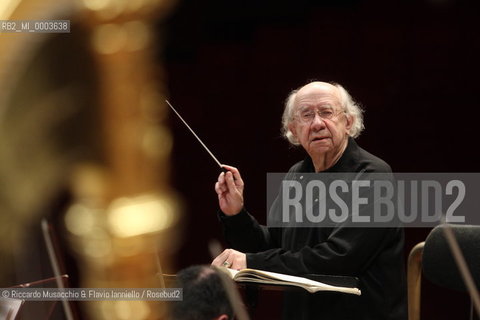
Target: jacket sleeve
column 347, row 251
column 242, row 232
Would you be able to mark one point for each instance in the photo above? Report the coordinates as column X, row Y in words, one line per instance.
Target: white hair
column 350, row 107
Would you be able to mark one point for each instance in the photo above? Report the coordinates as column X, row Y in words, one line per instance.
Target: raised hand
column 229, row 188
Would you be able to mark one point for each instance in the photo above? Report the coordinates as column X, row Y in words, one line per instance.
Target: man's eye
column 326, row 113
column 308, row 114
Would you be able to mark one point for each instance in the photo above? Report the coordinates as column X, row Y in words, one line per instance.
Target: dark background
column 413, row 65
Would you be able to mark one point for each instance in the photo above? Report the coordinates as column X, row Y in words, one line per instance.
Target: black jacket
column 374, row 255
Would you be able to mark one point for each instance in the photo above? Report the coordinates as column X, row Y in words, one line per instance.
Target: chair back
column 439, row 265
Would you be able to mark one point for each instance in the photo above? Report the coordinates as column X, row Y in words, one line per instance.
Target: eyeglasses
column 307, row 115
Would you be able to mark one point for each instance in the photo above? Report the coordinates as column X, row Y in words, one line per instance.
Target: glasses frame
column 317, row 112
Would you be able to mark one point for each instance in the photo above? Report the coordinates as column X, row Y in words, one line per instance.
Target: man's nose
column 318, row 122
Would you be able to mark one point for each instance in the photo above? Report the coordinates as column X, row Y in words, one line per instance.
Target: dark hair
column 204, row 297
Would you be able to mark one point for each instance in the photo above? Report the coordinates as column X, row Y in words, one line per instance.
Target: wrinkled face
column 319, row 124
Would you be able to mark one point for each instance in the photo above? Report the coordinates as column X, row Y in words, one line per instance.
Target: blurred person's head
column 204, row 296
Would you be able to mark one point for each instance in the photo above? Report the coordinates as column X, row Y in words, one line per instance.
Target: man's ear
column 222, row 317
column 349, row 124
column 293, row 130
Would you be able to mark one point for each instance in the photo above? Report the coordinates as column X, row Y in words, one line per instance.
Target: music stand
column 9, row 308
column 52, row 249
column 13, row 308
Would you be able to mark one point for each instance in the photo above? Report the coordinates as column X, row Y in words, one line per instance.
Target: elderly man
column 324, row 120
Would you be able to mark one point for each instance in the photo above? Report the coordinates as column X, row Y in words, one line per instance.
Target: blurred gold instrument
column 123, row 221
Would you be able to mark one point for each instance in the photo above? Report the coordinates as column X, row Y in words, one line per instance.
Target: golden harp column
column 123, row 224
